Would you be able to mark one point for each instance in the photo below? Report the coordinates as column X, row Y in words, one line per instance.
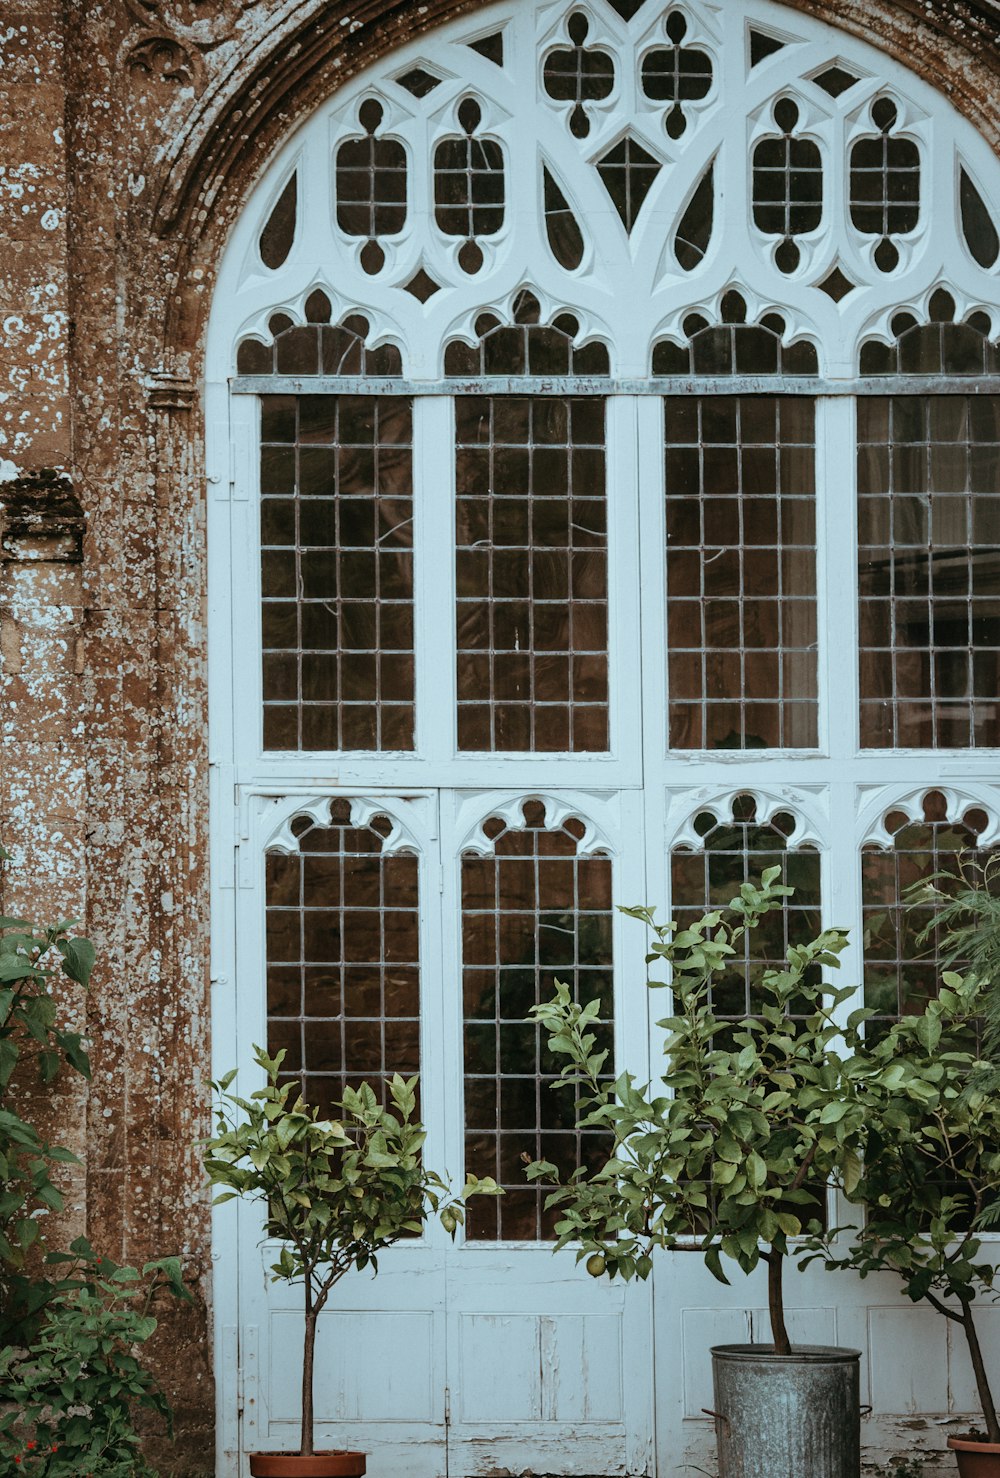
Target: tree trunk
column 776, row 1304
column 309, row 1347
column 982, row 1381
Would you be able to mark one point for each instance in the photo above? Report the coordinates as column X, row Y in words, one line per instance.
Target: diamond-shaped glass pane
column 836, row 284
column 422, row 286
column 418, row 82
column 628, row 172
column 835, row 80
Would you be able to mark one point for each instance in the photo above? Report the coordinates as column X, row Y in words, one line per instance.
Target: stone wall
column 130, row 132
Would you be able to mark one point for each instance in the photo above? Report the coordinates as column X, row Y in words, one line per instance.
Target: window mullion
column 837, row 574
column 652, row 597
column 837, row 612
column 243, row 477
column 434, row 575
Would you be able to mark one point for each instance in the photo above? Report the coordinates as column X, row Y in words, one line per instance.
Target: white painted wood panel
column 371, row 1366
column 918, row 1382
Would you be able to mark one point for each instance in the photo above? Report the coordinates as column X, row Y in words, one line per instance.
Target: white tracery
column 533, row 132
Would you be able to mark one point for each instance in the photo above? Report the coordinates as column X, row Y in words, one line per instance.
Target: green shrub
column 71, row 1385
column 77, row 1389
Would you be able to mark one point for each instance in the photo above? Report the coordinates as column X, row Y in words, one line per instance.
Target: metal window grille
column 902, row 970
column 736, row 849
column 531, row 570
column 929, row 561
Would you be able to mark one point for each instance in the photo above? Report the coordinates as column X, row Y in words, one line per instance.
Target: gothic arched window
column 604, row 411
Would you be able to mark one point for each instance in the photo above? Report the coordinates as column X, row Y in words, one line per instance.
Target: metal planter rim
column 800, row 1355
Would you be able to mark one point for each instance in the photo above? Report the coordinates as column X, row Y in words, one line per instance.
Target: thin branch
column 804, row 1168
column 942, row 1308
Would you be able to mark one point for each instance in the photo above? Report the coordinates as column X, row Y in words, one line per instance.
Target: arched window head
column 648, row 155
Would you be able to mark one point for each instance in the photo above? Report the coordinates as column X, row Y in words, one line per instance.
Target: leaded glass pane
column 531, row 571
column 929, row 536
column 741, row 572
column 343, row 958
column 337, row 572
column 533, row 912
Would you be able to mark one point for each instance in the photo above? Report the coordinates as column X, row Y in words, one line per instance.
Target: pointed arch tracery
column 342, row 950
column 732, row 840
column 581, row 147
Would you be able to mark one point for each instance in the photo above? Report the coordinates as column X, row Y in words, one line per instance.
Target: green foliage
column 77, row 1389
column 901, row 1467
column 758, row 1116
column 336, row 1192
column 967, row 913
column 933, row 1162
column 32, row 959
column 71, row 1385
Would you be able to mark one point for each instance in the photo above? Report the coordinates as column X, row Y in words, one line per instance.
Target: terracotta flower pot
column 976, row 1459
column 320, row 1465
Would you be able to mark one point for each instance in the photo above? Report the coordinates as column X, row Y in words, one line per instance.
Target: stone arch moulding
column 274, row 76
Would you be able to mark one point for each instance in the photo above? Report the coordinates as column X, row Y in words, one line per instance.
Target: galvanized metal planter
column 779, row 1415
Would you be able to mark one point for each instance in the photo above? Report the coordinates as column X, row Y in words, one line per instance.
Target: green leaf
column 78, row 959
column 851, row 1171
column 8, row 1059
column 713, row 1262
column 16, row 967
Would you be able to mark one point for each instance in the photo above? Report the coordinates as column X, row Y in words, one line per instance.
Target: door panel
column 458, row 1357
column 543, row 1365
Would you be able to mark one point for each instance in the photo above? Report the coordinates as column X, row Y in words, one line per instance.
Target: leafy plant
column 71, row 1384
column 967, row 915
column 932, row 1165
column 32, row 959
column 336, row 1192
column 901, row 1467
column 760, row 1114
column 77, row 1388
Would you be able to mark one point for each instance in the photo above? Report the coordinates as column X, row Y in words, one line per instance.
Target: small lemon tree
column 336, row 1192
column 932, row 1169
column 732, row 1162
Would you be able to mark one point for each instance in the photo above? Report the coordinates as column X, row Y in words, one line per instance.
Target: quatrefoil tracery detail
column 469, row 186
column 676, row 74
column 885, row 185
column 579, row 74
column 787, row 185
column 560, row 148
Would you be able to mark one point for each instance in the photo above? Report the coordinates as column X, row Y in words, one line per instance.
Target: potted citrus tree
column 732, row 1164
column 336, row 1193
column 932, row 1177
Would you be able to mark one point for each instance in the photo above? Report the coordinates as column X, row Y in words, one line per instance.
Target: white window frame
column 839, row 793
